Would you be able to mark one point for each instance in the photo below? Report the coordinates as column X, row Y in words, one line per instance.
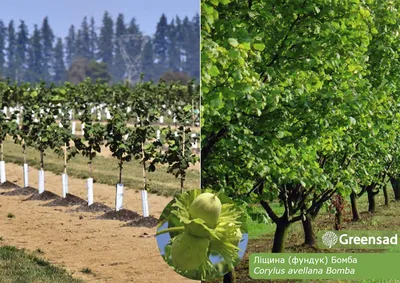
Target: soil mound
column 69, row 200
column 148, row 222
column 122, row 215
column 46, row 195
column 95, row 207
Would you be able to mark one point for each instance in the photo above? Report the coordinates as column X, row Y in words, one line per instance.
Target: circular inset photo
column 202, row 235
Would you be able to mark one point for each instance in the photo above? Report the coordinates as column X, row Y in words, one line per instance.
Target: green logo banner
column 325, row 266
column 358, row 239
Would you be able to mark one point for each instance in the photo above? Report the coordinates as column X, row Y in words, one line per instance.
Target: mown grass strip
column 17, row 266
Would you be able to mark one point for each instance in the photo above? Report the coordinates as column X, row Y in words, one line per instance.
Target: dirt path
column 76, row 240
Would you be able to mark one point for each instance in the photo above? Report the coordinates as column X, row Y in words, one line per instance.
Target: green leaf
column 259, row 46
column 214, row 71
column 233, row 42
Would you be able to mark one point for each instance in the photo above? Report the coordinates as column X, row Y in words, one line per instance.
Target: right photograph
column 300, row 127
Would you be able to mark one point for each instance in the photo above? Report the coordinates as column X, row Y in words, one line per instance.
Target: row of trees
column 300, row 105
column 41, row 55
column 42, row 120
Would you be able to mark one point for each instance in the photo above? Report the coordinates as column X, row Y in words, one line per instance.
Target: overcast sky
column 63, row 13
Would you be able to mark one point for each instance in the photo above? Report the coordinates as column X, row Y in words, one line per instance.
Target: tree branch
column 269, row 211
column 205, row 151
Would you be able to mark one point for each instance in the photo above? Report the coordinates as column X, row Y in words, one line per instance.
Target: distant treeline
column 172, row 53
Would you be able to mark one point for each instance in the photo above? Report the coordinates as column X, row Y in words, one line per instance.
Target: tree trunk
column 120, row 171
column 41, row 160
column 90, row 165
column 371, row 200
column 282, row 227
column 385, row 194
column 24, row 151
column 339, row 212
column 182, row 183
column 338, row 219
column 396, row 188
column 144, row 169
column 1, row 151
column 354, row 209
column 309, row 236
column 65, row 158
column 230, row 277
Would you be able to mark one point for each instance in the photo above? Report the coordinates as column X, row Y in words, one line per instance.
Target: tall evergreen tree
column 59, row 66
column 191, row 45
column 119, row 69
column 135, row 46
column 161, row 45
column 78, row 45
column 11, row 51
column 174, row 56
column 195, row 56
column 3, row 34
column 92, row 39
column 180, row 38
column 35, row 57
column 148, row 61
column 47, row 43
column 22, row 51
column 83, row 47
column 106, row 46
column 70, row 45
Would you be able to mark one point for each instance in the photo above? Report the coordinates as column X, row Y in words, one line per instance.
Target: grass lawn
column 105, row 170
column 17, row 266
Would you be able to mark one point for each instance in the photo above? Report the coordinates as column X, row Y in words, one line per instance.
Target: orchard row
column 46, row 118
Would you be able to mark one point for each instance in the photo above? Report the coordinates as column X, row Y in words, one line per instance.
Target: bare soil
column 78, row 239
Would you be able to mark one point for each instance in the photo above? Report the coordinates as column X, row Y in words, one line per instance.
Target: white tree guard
column 2, row 172
column 119, row 197
column 174, row 119
column 158, row 135
column 64, row 185
column 108, row 114
column 41, row 181
column 90, row 190
column 70, row 114
column 26, row 175
column 128, row 109
column 73, row 125
column 195, row 144
column 145, row 204
column 60, row 125
column 161, row 119
column 99, row 115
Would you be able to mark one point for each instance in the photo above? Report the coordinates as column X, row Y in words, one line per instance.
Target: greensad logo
column 329, row 239
column 358, row 239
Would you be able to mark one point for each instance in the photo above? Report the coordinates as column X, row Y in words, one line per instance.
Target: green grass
column 105, row 170
column 17, row 266
column 259, row 230
column 39, row 250
column 10, row 215
column 86, row 270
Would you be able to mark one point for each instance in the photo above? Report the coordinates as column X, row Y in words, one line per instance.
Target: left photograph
column 99, row 132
